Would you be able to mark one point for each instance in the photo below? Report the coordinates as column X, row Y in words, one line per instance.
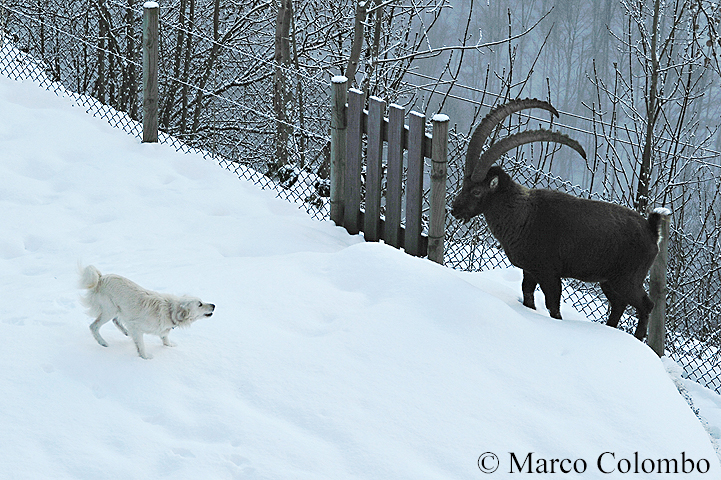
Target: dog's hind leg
column 120, row 326
column 139, row 343
column 95, row 327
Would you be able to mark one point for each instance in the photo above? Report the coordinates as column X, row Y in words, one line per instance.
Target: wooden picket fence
column 349, row 122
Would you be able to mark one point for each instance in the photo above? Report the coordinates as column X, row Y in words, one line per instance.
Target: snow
column 326, row 357
column 705, row 402
column 662, row 211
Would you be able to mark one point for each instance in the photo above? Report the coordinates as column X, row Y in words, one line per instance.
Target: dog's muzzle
column 212, row 308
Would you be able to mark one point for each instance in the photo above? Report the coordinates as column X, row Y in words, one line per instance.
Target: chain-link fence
column 219, row 95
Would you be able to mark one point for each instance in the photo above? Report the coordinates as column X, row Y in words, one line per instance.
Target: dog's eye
column 200, row 304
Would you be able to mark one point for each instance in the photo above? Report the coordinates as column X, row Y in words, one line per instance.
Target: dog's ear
column 180, row 313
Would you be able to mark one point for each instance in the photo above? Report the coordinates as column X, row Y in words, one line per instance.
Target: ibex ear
column 493, row 183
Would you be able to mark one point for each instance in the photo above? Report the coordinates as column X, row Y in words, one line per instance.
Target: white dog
column 135, row 310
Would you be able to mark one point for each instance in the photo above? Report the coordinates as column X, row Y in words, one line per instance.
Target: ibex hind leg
column 636, row 297
column 643, row 310
column 617, row 305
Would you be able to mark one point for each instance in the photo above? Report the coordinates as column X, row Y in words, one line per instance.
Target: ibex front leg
column 528, row 286
column 551, row 286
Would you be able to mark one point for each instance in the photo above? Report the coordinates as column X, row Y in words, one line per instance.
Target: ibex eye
column 476, row 192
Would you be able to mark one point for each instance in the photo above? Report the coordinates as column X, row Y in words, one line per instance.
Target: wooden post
column 658, row 289
column 354, row 151
column 338, row 124
column 374, row 170
column 414, row 184
column 437, row 215
column 150, row 71
column 392, row 228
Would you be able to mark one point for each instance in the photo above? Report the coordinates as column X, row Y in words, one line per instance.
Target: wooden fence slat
column 414, row 184
column 396, row 127
column 354, row 152
column 437, row 214
column 338, row 148
column 374, row 170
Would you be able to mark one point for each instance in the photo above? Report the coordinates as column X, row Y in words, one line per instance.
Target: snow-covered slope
column 327, row 357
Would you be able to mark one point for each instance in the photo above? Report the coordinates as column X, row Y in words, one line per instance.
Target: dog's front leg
column 166, row 341
column 139, row 344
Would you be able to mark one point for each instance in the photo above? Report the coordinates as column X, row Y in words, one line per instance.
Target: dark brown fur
column 553, row 235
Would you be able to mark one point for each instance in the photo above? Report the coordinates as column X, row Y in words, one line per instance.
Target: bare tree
column 280, row 93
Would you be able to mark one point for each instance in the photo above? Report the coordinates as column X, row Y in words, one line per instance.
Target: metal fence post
column 439, row 163
column 150, row 71
column 657, row 289
column 338, row 124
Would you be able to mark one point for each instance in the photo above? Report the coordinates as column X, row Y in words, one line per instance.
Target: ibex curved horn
column 516, row 140
column 490, row 121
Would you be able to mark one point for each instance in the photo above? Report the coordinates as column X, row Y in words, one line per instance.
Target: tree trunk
column 212, row 57
column 130, row 82
column 357, row 45
column 644, row 173
column 186, row 70
column 99, row 90
column 280, row 93
column 173, row 87
column 375, row 48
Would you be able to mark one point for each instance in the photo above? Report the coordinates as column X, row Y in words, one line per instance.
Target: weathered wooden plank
column 338, row 147
column 426, row 144
column 437, row 214
column 354, row 152
column 391, row 231
column 374, row 170
column 414, row 184
column 150, row 72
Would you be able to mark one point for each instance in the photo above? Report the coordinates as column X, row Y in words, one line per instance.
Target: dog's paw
column 170, row 344
column 146, row 356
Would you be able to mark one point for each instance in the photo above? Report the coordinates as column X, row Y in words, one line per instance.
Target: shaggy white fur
column 135, row 310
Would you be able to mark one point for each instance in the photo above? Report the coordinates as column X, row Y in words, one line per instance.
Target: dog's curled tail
column 89, row 277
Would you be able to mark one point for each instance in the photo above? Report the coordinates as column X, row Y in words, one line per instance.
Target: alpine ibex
column 552, row 235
